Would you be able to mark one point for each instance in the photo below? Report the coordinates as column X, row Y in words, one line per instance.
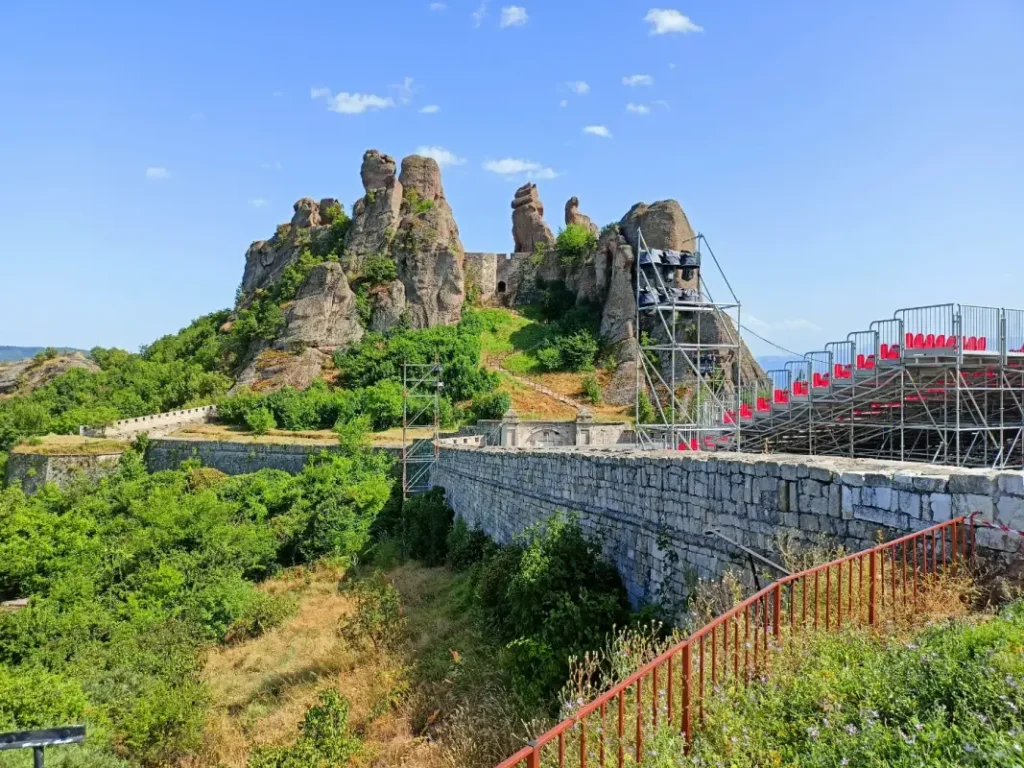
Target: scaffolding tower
column 422, row 385
column 689, row 352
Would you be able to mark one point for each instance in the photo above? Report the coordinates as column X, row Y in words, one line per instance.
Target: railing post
column 872, row 590
column 686, row 695
column 777, row 610
column 533, row 760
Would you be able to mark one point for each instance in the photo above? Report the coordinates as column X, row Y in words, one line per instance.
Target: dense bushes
column 575, row 244
column 548, row 596
column 128, row 579
column 163, row 378
column 491, row 405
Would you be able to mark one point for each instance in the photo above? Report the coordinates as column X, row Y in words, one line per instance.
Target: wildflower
column 968, row 747
column 845, row 761
column 851, row 729
column 812, row 732
column 919, row 726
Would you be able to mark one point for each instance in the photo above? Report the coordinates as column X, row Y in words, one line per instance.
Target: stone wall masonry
column 653, row 509
column 504, row 279
column 34, row 470
column 155, row 424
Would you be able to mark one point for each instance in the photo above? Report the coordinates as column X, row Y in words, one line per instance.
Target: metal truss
column 422, row 385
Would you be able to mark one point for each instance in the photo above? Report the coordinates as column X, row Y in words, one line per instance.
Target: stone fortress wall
column 653, row 510
column 503, row 279
column 156, row 424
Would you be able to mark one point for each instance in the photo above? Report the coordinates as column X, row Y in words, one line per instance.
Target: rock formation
column 427, row 248
column 375, row 216
column 23, row 376
column 573, row 215
column 403, row 218
column 528, row 227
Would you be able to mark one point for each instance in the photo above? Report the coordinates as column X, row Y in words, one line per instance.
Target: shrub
column 592, row 389
column 325, row 740
column 260, row 421
column 379, row 268
column 426, row 521
column 645, row 409
column 377, row 617
column 467, row 547
column 578, row 351
column 551, row 596
column 575, row 244
column 32, row 697
column 492, row 405
column 550, row 358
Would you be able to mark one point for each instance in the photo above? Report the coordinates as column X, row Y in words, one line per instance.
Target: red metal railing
column 879, row 584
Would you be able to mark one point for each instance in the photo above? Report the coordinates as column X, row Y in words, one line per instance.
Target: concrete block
column 909, row 503
column 967, row 503
column 977, row 484
column 852, row 479
column 1010, row 512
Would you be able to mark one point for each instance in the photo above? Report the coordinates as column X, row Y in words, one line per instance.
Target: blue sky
column 843, row 159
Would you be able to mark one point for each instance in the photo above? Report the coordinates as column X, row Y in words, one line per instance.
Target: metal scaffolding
column 689, row 351
column 942, row 384
column 422, row 386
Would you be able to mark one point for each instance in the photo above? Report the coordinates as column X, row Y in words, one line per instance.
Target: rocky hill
column 398, row 259
column 23, row 376
column 324, row 279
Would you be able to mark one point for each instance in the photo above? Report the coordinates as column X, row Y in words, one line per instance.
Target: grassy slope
column 510, row 343
column 401, row 701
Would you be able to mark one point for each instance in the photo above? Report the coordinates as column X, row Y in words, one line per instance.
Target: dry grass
column 405, row 704
column 73, row 445
column 228, row 433
column 533, row 405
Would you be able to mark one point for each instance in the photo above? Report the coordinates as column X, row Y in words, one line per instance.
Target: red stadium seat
column 694, row 445
column 894, row 352
column 972, row 344
column 908, row 340
column 919, row 341
column 940, row 341
column 982, row 343
column 861, row 362
column 929, row 341
column 951, row 342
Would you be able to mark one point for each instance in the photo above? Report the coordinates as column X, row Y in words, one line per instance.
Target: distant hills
column 11, row 354
column 774, row 362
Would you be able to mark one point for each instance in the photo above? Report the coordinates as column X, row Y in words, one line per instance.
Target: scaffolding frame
column 678, row 367
column 422, row 385
column 938, row 384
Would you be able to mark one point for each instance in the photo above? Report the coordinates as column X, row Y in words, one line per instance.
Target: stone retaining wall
column 34, row 470
column 654, row 509
column 234, row 458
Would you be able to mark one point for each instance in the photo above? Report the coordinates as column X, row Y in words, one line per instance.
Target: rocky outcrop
column 427, row 249
column 269, row 369
column 664, row 225
column 375, row 216
column 323, row 314
column 528, row 227
column 23, row 376
column 388, row 305
column 573, row 215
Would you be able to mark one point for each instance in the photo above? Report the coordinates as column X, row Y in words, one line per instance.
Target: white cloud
column 563, row 103
column 277, row 94
column 513, row 16
column 579, row 87
column 638, row 109
column 437, row 6
column 511, row 166
column 271, row 166
column 351, row 103
column 671, row 65
column 157, row 172
column 258, row 202
column 443, row 157
column 479, row 14
column 404, row 89
column 430, row 109
column 598, row 130
column 665, row 21
column 635, row 80
column 661, row 103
